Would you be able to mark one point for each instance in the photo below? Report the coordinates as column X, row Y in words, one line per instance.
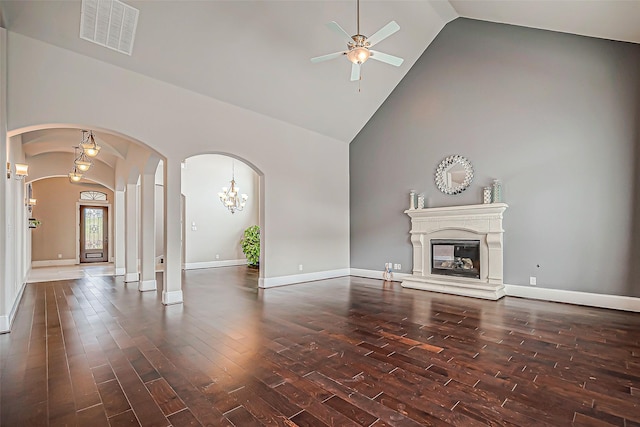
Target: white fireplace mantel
column 472, row 222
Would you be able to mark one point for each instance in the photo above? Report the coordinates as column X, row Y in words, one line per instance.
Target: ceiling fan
column 358, row 46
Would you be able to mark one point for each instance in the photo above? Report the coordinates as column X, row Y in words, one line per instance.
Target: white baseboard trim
column 147, row 285
column 120, row 271
column 374, row 274
column 213, row 264
column 171, row 297
column 6, row 320
column 53, row 262
column 616, row 302
column 131, row 277
column 271, row 282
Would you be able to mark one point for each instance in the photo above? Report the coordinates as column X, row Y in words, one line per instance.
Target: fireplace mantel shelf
column 484, row 209
column 474, row 222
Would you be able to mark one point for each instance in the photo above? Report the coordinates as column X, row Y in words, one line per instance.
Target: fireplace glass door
column 455, row 258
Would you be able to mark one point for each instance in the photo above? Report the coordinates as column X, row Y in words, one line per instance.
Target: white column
column 119, row 231
column 131, row 233
column 172, row 278
column 148, row 233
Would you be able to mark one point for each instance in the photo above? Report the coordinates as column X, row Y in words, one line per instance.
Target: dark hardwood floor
column 344, row 352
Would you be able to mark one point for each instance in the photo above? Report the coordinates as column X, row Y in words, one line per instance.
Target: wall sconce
column 31, row 203
column 8, row 170
column 22, row 170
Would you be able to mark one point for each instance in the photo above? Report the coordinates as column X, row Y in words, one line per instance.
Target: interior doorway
column 94, row 240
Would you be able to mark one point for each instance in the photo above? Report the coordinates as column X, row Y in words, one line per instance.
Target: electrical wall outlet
column 532, row 281
column 300, row 267
column 217, row 256
column 399, row 267
column 59, row 256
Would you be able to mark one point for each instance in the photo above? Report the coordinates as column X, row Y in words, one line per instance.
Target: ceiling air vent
column 109, row 23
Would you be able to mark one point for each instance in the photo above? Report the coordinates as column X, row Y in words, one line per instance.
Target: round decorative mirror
column 454, row 175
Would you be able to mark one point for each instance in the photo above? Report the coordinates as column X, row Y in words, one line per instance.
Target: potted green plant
column 251, row 245
column 33, row 223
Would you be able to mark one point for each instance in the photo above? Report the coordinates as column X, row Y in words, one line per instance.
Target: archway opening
column 70, row 229
column 213, row 229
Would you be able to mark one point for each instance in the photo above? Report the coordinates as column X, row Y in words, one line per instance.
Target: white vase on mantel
column 421, row 201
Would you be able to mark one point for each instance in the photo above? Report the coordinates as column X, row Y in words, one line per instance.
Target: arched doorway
column 72, row 227
column 212, row 229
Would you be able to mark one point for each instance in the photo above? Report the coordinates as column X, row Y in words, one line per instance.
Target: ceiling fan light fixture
column 358, row 46
column 358, row 55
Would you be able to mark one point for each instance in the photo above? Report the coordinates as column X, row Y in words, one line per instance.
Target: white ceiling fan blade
column 336, row 28
column 389, row 59
column 355, row 72
column 327, row 57
column 383, row 33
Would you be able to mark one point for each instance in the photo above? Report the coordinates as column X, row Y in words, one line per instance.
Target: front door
column 93, row 234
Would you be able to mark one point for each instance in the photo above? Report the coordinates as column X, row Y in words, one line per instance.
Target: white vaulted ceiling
column 255, row 54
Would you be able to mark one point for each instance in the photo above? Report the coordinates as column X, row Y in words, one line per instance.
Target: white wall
column 15, row 241
column 15, row 237
column 305, row 174
column 217, row 231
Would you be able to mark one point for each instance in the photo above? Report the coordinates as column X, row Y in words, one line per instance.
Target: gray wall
column 554, row 116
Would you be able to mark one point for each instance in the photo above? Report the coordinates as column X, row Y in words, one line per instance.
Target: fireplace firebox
column 459, row 258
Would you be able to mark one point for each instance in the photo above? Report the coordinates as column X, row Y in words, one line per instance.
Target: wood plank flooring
column 341, row 352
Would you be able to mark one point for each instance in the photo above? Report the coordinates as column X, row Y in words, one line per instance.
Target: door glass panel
column 93, row 228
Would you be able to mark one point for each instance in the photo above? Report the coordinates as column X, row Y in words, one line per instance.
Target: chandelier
column 229, row 195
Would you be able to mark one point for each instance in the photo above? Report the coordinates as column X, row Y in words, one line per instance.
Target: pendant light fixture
column 74, row 175
column 88, row 144
column 229, row 195
column 83, row 162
